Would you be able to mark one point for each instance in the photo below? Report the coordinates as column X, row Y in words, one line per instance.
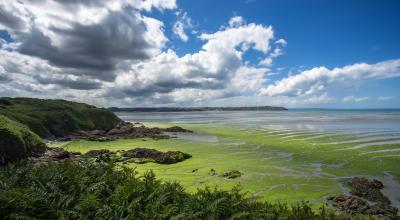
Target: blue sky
column 328, row 34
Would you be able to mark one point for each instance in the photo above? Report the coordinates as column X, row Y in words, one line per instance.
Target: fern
column 90, row 190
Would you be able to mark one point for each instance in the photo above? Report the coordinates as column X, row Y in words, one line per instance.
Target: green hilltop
column 56, row 118
column 17, row 141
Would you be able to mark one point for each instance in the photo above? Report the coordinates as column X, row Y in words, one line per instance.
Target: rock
column 383, row 210
column 169, row 157
column 101, row 139
column 231, row 174
column 64, row 139
column 368, row 189
column 104, row 155
column 350, row 204
column 76, row 153
column 123, row 130
column 114, row 131
column 366, row 198
column 212, row 172
column 55, row 154
column 96, row 132
column 176, row 129
column 95, row 153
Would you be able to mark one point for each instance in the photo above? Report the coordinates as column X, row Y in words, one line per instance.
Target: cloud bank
column 116, row 53
column 320, row 79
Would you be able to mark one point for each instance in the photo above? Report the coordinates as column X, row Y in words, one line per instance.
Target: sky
column 136, row 53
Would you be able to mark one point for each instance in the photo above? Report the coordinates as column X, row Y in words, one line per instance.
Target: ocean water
column 343, row 121
column 334, row 146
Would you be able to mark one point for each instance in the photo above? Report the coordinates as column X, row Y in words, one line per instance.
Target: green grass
column 49, row 118
column 274, row 169
column 17, row 141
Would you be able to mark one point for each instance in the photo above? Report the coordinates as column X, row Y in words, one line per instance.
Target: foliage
column 89, row 190
column 49, row 118
column 17, row 141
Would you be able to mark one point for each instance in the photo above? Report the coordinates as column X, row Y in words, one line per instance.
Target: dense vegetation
column 90, row 190
column 56, row 118
column 17, row 141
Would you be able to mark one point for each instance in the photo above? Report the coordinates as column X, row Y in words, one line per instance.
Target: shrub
column 89, row 190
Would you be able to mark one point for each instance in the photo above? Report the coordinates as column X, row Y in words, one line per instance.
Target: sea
column 346, row 121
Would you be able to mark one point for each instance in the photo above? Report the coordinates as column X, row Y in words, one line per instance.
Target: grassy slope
column 17, row 141
column 274, row 168
column 49, row 118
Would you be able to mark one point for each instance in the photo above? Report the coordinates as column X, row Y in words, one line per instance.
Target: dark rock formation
column 176, row 129
column 152, row 155
column 366, row 198
column 139, row 155
column 56, row 155
column 122, row 130
column 212, row 172
column 125, row 130
column 232, row 174
column 95, row 153
column 368, row 189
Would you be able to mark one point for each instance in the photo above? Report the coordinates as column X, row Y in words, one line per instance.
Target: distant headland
column 193, row 109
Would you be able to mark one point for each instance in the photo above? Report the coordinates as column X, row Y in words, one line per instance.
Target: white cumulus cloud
column 319, row 79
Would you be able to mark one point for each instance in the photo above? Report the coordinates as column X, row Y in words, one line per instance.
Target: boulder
column 56, row 155
column 95, row 153
column 153, row 155
column 366, row 198
column 368, row 189
column 176, row 129
column 232, row 174
column 212, row 172
column 349, row 203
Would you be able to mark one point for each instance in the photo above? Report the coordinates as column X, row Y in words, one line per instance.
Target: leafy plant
column 88, row 190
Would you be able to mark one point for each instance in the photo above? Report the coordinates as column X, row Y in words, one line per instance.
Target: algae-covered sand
column 285, row 165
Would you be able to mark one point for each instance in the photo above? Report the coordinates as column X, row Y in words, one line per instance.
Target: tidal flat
column 278, row 163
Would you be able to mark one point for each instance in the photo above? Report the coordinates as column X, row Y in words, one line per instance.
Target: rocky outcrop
column 232, row 174
column 17, row 141
column 56, row 154
column 153, row 155
column 176, row 129
column 96, row 153
column 125, row 130
column 139, row 155
column 365, row 198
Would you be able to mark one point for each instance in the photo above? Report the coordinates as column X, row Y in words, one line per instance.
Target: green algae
column 273, row 168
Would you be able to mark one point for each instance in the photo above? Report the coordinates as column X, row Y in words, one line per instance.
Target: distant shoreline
column 194, row 109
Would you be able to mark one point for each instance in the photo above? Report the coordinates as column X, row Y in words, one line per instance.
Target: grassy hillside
column 56, row 118
column 17, row 141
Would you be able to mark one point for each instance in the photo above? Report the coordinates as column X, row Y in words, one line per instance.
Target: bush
column 89, row 190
